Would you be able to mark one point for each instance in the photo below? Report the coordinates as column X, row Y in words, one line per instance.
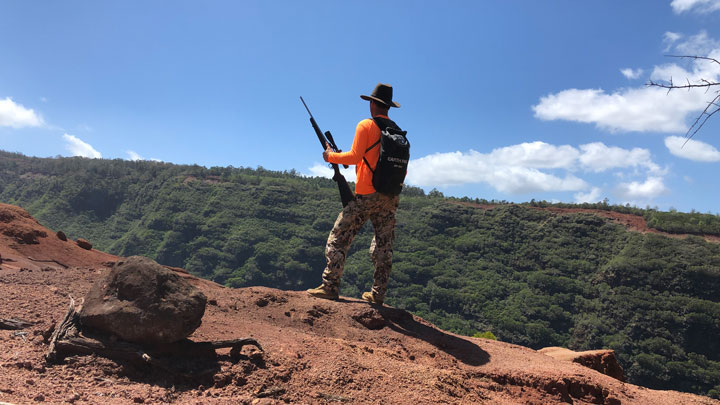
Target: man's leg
column 381, row 248
column 348, row 223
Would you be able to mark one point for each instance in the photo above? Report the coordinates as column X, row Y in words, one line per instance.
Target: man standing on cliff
column 370, row 204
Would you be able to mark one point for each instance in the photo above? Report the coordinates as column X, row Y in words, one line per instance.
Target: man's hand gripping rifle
column 346, row 195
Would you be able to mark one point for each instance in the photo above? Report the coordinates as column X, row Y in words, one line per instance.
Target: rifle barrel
column 346, row 195
column 306, row 107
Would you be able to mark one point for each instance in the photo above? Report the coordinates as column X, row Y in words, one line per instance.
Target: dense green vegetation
column 527, row 276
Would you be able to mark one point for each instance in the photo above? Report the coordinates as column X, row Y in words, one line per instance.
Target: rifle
column 346, row 195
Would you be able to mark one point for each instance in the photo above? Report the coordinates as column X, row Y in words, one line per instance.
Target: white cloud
column 516, row 169
column 701, row 6
column 598, row 157
column 79, row 148
column 670, row 38
column 644, row 108
column 134, row 155
column 700, row 45
column 593, row 196
column 632, row 74
column 536, row 154
column 692, row 149
column 634, row 191
column 322, row 170
column 512, row 169
column 16, row 116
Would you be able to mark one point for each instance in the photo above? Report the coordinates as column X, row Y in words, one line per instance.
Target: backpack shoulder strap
column 368, row 150
column 382, row 125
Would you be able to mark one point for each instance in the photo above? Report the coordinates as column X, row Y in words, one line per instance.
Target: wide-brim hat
column 383, row 94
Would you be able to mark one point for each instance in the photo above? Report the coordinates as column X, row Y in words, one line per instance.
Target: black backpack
column 392, row 163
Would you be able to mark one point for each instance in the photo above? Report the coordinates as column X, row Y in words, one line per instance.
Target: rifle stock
column 346, row 195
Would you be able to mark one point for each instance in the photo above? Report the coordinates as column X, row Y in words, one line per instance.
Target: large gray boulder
column 141, row 301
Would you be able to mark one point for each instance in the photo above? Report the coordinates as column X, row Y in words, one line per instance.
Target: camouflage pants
column 380, row 210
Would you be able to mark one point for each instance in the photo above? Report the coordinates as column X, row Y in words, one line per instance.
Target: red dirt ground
column 316, row 351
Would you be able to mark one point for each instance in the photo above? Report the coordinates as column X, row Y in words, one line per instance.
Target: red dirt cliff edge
column 316, row 351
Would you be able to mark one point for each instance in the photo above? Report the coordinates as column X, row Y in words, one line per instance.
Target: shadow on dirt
column 402, row 321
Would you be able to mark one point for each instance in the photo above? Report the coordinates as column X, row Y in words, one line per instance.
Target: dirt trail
column 632, row 222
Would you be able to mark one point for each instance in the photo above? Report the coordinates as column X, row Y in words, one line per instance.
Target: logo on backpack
column 392, row 163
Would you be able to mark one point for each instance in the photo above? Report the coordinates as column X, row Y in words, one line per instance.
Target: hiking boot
column 372, row 298
column 325, row 292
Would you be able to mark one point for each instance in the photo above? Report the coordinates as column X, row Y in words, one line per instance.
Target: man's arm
column 354, row 155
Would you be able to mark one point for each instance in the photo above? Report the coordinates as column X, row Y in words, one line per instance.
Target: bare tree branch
column 671, row 86
column 707, row 117
column 693, row 57
column 703, row 83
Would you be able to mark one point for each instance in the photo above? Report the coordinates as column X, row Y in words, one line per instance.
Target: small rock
column 139, row 400
column 29, row 382
column 24, row 364
column 222, row 380
column 212, row 302
column 48, row 331
column 73, row 398
column 612, row 400
column 264, row 401
column 84, row 244
column 370, row 318
column 39, row 398
column 61, row 235
column 261, row 302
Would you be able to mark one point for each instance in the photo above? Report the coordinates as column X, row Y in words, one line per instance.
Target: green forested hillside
column 529, row 276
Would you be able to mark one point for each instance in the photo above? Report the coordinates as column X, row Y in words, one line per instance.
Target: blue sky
column 509, row 99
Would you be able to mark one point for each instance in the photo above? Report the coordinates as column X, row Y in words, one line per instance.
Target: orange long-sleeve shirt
column 366, row 134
